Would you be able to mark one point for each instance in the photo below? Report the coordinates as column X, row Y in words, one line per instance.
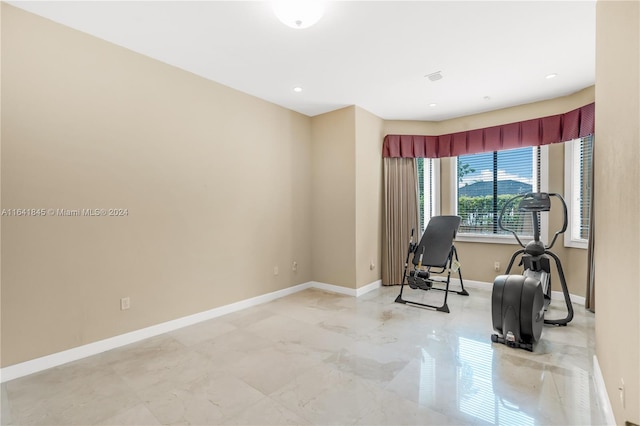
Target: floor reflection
column 478, row 397
column 487, row 384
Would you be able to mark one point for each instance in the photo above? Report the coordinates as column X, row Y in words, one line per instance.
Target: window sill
column 491, row 239
column 579, row 244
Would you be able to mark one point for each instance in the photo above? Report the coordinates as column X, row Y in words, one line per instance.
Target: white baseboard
column 355, row 292
column 49, row 361
column 601, row 391
column 367, row 288
column 576, row 300
column 333, row 288
column 555, row 295
column 473, row 284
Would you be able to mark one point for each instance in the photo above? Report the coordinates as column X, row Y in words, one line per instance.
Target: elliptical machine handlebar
column 535, row 202
column 565, row 221
column 504, row 208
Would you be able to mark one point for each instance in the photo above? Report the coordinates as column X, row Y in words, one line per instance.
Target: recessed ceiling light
column 550, row 76
column 487, row 98
column 432, row 105
column 434, row 76
column 297, row 89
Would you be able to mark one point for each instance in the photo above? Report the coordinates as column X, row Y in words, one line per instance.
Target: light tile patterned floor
column 322, row 358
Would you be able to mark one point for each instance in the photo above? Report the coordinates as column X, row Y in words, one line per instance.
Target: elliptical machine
column 519, row 302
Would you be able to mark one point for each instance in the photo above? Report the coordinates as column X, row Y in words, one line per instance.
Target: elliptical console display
column 519, row 302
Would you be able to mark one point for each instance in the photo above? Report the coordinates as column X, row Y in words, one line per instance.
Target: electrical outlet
column 372, row 266
column 125, row 303
column 276, row 271
column 294, row 266
column 496, row 266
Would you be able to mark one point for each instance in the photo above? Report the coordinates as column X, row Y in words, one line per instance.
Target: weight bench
column 435, row 254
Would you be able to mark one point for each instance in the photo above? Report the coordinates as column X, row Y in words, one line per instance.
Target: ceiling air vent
column 434, row 76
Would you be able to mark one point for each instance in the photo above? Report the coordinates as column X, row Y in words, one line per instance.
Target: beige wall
column 518, row 113
column 216, row 184
column 478, row 258
column 406, row 127
column 368, row 219
column 1, row 204
column 333, row 195
column 617, row 202
column 346, row 197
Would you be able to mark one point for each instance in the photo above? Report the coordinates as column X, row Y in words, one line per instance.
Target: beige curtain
column 590, row 300
column 401, row 215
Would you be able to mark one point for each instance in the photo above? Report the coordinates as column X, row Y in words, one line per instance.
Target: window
column 428, row 189
column 578, row 155
column 484, row 183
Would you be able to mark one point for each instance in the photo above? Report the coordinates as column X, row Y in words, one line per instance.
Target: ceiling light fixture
column 297, row 89
column 550, row 76
column 298, row 14
column 432, row 105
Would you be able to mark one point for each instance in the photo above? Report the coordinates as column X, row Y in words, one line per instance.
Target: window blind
column 584, row 180
column 487, row 181
column 426, row 190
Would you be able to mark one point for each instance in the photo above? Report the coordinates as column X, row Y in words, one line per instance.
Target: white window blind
column 428, row 189
column 487, row 181
column 578, row 181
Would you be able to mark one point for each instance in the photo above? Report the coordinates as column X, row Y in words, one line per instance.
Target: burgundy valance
column 538, row 131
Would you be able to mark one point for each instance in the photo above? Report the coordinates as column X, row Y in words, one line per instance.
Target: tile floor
column 322, row 358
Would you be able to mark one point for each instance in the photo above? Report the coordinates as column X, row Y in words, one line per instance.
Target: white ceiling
column 371, row 54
